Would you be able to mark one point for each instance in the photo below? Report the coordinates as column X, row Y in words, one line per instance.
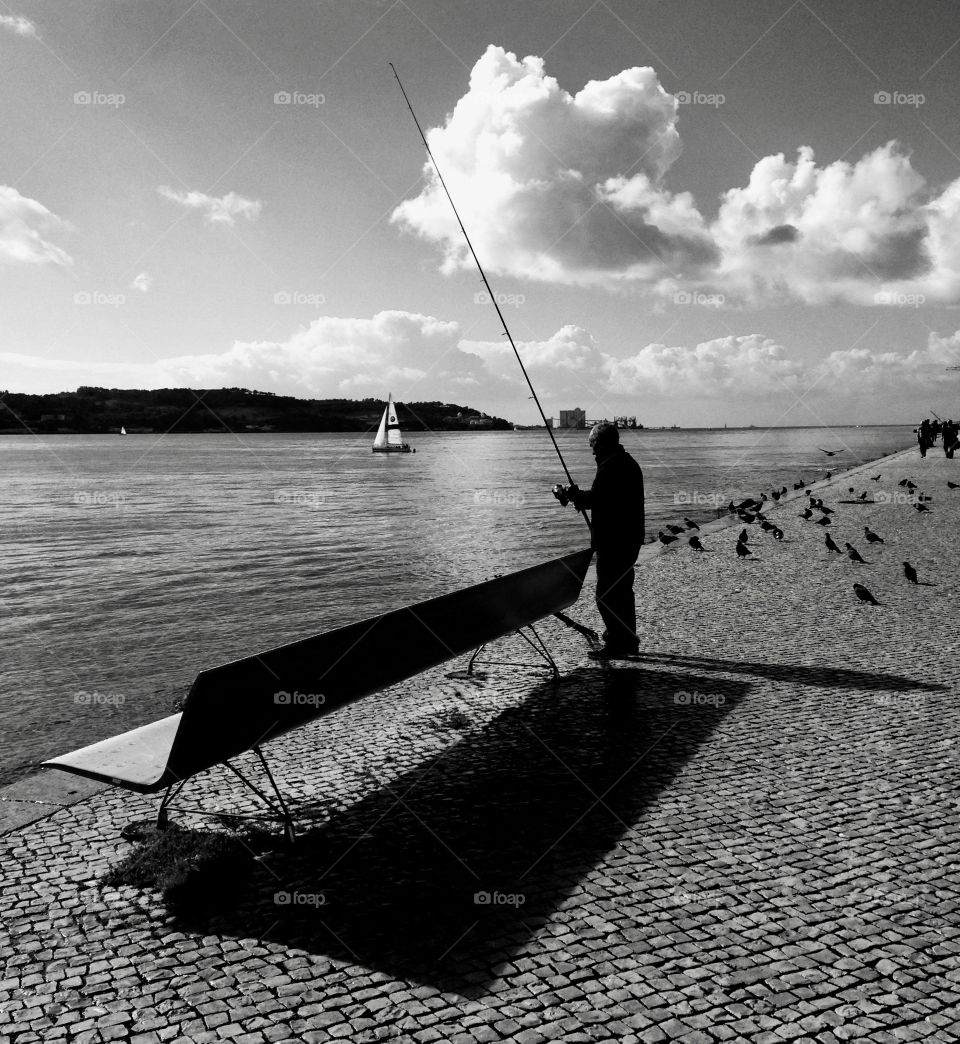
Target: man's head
column 604, row 439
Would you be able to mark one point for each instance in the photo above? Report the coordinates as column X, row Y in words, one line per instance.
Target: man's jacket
column 616, row 504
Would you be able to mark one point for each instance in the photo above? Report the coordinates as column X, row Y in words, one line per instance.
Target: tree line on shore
column 91, row 410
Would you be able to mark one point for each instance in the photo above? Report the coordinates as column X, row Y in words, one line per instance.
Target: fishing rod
column 492, row 296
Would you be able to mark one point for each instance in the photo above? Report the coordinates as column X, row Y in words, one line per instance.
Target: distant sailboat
column 123, row 430
column 389, row 438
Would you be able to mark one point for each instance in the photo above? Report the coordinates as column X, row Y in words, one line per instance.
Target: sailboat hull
column 392, row 449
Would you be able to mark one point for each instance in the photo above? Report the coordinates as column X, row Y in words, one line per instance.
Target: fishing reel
column 565, row 494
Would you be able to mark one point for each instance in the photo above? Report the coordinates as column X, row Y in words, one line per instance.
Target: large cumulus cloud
column 573, row 189
column 557, row 186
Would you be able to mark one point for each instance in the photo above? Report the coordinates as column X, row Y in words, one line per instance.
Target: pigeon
column 806, row 513
column 903, row 482
column 824, row 521
column 767, row 526
column 743, row 550
column 777, row 533
column 853, row 554
column 863, row 495
column 690, row 523
column 829, row 474
column 864, row 595
column 831, row 546
column 953, row 485
column 872, row 537
column 742, row 539
column 675, row 529
column 921, row 507
column 664, row 539
column 776, row 494
column 874, row 478
column 694, row 542
column 910, row 573
column 829, row 453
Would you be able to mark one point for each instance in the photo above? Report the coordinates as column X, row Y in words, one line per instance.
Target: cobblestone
column 743, row 835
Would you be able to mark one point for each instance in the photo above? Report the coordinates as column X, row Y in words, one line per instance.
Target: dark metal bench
column 239, row 706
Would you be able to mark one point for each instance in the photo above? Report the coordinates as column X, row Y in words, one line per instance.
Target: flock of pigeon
column 750, row 512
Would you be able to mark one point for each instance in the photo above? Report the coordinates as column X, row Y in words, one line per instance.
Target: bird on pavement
column 824, row 521
column 863, row 495
column 921, row 507
column 853, row 554
column 830, row 545
column 806, row 513
column 664, row 538
column 777, row 533
column 767, row 526
column 743, row 550
column 910, row 573
column 694, row 542
column 872, row 538
column 864, row 595
column 742, row 539
column 953, row 485
column 874, row 478
column 690, row 523
column 675, row 529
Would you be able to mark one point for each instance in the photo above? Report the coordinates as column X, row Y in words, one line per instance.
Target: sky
column 690, row 212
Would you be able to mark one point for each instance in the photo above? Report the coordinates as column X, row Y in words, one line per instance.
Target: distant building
column 575, row 418
column 481, row 422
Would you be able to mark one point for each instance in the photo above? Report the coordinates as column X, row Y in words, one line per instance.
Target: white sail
column 381, row 439
column 394, row 437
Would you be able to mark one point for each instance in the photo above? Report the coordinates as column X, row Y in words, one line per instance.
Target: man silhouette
column 617, row 511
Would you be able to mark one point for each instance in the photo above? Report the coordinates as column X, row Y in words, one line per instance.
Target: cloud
column 560, row 187
column 23, row 222
column 18, row 24
column 572, row 189
column 420, row 357
column 409, row 353
column 865, row 373
column 142, row 282
column 222, row 210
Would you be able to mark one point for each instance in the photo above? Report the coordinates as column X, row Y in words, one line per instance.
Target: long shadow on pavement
column 825, row 676
column 447, row 871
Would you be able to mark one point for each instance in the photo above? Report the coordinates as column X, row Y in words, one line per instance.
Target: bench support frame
column 535, row 642
column 275, row 803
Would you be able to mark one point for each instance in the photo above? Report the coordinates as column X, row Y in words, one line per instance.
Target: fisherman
column 616, row 503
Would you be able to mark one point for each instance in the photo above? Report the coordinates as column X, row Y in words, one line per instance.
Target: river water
column 129, row 564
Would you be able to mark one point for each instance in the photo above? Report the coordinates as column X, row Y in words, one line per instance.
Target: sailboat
column 389, row 439
column 123, row 430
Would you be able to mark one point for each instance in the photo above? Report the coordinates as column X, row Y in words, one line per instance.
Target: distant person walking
column 951, row 438
column 617, row 505
column 925, row 437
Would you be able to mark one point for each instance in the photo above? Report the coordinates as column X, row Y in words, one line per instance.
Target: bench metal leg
column 275, row 803
column 536, row 643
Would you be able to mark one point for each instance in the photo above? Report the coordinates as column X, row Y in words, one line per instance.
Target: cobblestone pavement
column 750, row 833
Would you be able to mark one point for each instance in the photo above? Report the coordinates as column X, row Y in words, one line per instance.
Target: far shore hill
column 100, row 411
